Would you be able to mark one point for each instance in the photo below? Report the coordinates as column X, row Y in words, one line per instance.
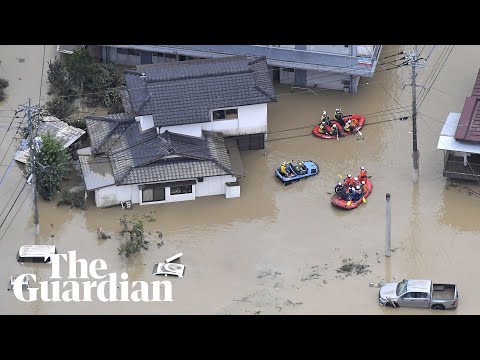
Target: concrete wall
column 214, row 185
column 252, row 119
column 113, row 195
column 322, row 80
column 332, row 49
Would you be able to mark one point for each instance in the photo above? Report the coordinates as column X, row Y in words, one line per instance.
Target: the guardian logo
column 106, row 286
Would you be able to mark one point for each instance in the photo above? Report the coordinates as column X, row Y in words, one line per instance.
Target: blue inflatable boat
column 297, row 173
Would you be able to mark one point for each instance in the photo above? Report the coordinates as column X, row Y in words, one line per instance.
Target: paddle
column 349, row 202
column 341, row 177
column 364, row 200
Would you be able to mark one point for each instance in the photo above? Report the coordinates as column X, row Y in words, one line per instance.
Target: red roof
column 468, row 128
column 476, row 87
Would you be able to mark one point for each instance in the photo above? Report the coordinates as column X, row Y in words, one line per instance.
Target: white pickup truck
column 419, row 293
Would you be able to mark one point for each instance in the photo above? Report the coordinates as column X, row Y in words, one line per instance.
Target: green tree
column 59, row 107
column 60, row 84
column 136, row 238
column 52, row 163
column 80, row 67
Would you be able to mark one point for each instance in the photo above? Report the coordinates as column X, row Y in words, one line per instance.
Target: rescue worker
column 339, row 117
column 302, row 167
column 364, row 187
column 325, row 116
column 354, row 122
column 358, row 193
column 348, row 126
column 363, row 174
column 339, row 189
column 356, row 182
column 322, row 129
column 283, row 169
column 333, row 130
column 348, row 180
column 350, row 193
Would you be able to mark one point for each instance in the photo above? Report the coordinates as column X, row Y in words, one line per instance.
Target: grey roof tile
column 185, row 92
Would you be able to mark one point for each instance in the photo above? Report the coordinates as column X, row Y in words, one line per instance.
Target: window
column 122, row 51
column 422, row 295
column 288, row 69
column 409, row 295
column 159, row 54
column 184, row 189
column 200, row 179
column 153, row 193
column 170, row 56
column 133, row 52
column 226, row 114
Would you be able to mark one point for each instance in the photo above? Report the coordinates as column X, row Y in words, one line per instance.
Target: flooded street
column 257, row 253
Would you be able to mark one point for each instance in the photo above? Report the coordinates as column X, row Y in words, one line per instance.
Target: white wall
column 252, row 119
column 333, row 49
column 213, row 185
column 113, row 195
column 365, row 50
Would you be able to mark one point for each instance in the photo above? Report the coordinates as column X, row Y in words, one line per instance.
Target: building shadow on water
column 460, row 204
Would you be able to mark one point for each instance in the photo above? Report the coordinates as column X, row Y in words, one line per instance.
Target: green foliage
column 3, row 85
column 73, row 200
column 102, row 86
column 136, row 239
column 80, row 67
column 59, row 107
column 59, row 80
column 51, row 165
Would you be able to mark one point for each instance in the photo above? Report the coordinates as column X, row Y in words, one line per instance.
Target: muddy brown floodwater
column 275, row 250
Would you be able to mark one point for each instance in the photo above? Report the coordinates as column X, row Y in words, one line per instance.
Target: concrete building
column 336, row 67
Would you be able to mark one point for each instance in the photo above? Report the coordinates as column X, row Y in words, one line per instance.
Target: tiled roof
column 185, row 92
column 144, row 157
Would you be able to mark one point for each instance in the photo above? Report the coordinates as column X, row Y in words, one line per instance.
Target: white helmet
column 363, row 182
column 349, row 175
column 324, row 112
column 355, row 178
column 358, row 187
column 323, row 122
column 340, row 183
column 334, row 126
column 362, row 168
column 337, row 110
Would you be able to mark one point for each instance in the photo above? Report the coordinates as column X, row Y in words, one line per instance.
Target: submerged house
column 460, row 139
column 180, row 135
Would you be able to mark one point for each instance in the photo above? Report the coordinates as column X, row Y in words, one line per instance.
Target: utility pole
column 413, row 62
column 29, row 110
column 388, row 228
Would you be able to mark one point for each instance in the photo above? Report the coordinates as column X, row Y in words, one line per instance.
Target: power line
column 105, row 158
column 14, row 216
column 16, row 199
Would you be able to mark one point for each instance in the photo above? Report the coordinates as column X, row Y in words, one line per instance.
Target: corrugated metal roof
column 476, row 86
column 447, row 140
column 451, row 124
column 63, row 132
column 469, row 124
column 97, row 172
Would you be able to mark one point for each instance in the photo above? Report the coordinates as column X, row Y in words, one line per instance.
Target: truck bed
column 443, row 292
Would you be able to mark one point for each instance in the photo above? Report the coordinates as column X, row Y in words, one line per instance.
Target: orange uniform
column 363, row 175
column 364, row 189
column 349, row 181
column 354, row 122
